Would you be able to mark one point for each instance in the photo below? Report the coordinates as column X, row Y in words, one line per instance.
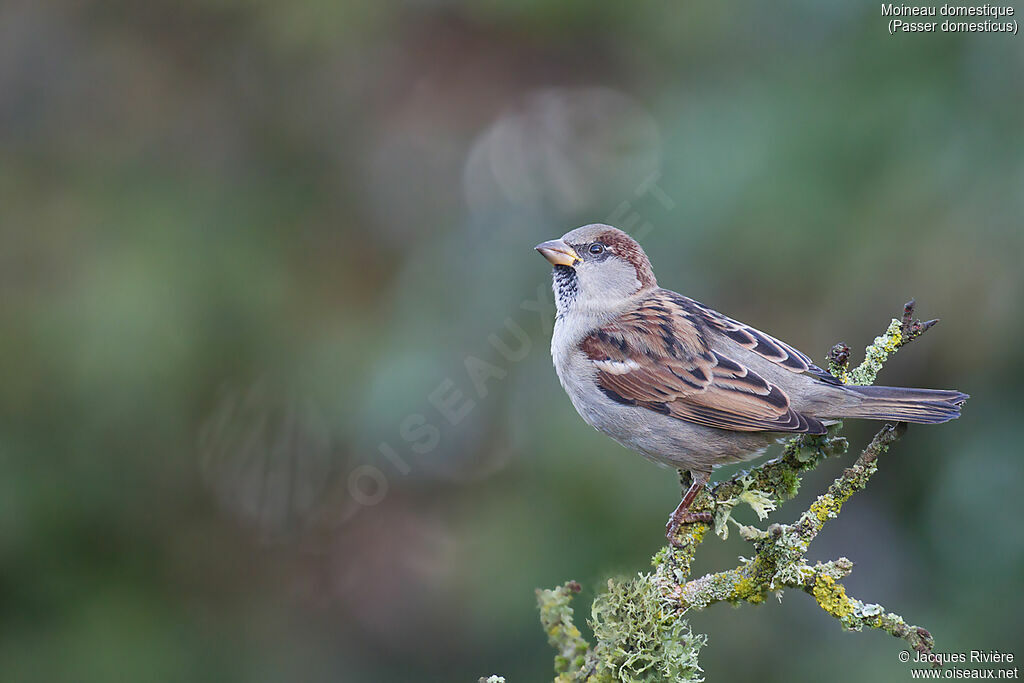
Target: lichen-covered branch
column 900, row 333
column 638, row 623
column 563, row 635
column 779, row 561
column 639, row 634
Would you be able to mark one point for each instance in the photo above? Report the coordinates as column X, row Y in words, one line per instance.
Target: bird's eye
column 596, row 248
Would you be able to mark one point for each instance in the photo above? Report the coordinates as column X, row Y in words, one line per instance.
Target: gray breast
column 658, row 437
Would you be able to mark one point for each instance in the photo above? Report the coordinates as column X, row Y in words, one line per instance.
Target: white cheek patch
column 617, row 367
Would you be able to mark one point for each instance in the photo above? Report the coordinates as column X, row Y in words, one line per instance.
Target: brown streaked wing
column 657, row 357
column 762, row 344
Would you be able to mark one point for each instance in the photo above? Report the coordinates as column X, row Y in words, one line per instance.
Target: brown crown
column 625, row 247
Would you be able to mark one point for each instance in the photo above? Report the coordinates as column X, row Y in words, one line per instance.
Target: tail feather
column 920, row 406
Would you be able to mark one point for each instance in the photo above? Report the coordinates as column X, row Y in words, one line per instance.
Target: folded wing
column 657, row 357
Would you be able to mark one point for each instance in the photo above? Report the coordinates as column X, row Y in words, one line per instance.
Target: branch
column 556, row 618
column 779, row 559
column 900, row 333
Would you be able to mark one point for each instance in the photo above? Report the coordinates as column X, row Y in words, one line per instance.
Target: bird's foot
column 682, row 514
column 675, row 521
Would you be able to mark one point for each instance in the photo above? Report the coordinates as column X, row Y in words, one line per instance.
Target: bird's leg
column 682, row 515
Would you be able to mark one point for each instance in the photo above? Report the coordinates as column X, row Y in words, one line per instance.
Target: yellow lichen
column 742, row 588
column 831, row 596
column 825, row 508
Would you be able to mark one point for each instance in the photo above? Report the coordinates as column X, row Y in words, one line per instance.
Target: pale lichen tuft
column 640, row 635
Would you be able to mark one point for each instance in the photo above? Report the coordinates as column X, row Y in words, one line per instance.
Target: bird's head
column 597, row 266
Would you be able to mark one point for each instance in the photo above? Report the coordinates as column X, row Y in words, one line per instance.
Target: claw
column 682, row 514
column 674, row 522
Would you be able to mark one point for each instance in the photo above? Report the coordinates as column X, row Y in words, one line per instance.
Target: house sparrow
column 683, row 384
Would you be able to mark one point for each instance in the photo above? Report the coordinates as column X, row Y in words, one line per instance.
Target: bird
column 684, row 385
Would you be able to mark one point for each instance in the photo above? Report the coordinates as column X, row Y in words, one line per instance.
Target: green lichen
column 556, row 616
column 718, row 587
column 680, row 556
column 875, row 356
column 759, row 501
column 641, row 636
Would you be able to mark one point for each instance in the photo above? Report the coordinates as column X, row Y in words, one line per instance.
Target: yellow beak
column 558, row 253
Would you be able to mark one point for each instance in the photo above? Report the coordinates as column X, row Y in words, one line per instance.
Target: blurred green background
column 255, row 252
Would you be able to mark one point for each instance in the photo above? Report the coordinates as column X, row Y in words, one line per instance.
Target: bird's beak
column 558, row 253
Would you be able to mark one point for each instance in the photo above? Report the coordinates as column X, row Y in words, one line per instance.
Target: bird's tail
column 921, row 406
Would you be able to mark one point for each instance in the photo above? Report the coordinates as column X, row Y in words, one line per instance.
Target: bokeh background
column 277, row 402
